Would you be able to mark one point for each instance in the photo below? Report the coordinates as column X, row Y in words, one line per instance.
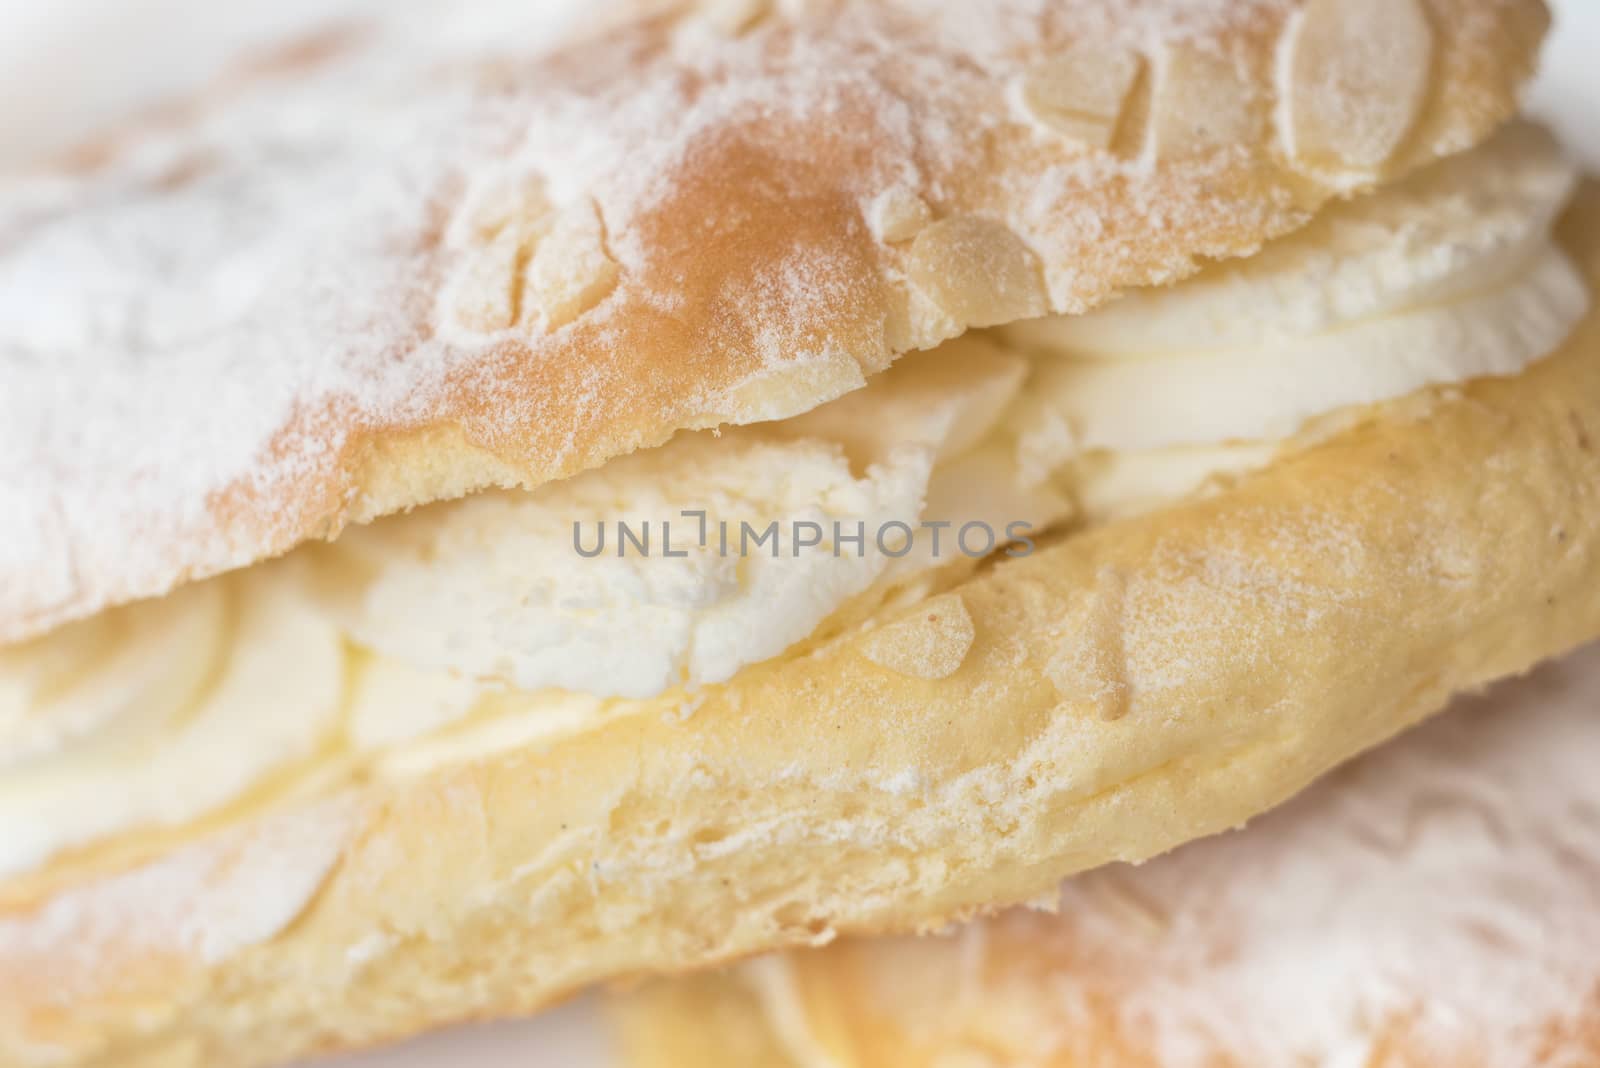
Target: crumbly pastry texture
column 400, row 263
column 1110, row 696
column 1435, row 903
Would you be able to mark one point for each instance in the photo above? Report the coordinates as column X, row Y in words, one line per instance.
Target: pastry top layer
column 400, row 264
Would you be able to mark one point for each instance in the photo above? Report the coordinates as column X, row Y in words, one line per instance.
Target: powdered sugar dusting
column 1445, row 887
column 166, row 317
column 205, row 323
column 196, row 906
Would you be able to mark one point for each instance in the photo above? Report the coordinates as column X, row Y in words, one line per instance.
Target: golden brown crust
column 1432, row 903
column 1124, row 690
column 715, row 222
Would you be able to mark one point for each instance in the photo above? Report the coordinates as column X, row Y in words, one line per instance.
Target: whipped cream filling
column 474, row 625
column 687, row 585
column 232, row 693
column 1449, row 276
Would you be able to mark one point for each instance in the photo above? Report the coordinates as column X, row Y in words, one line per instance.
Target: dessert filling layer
column 1449, row 276
column 510, row 617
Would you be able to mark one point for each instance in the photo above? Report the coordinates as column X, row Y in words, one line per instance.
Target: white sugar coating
column 215, row 302
column 207, row 319
column 202, row 903
column 1446, row 887
column 162, row 320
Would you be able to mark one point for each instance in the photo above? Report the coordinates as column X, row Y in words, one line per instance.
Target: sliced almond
column 482, row 297
column 1080, row 93
column 518, row 203
column 571, row 271
column 1356, row 78
column 1203, row 102
column 733, row 17
column 930, row 644
column 897, row 214
column 1091, row 667
column 977, row 271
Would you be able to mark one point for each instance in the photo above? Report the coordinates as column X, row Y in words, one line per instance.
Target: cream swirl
column 208, row 692
column 496, row 586
column 1449, row 276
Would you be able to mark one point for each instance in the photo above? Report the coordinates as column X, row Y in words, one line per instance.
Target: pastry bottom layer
column 1437, row 902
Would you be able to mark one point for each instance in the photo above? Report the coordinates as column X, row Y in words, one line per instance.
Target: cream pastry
column 493, row 610
column 326, row 717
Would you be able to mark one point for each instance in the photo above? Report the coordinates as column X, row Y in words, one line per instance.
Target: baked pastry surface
column 1116, row 693
column 1436, row 902
column 857, row 180
column 397, row 265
